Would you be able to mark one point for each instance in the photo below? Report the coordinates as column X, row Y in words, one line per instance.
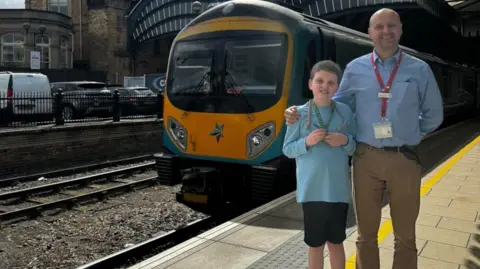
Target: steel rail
column 22, row 194
column 70, row 202
column 73, row 170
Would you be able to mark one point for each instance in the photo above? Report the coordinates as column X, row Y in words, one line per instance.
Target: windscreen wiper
column 200, row 85
column 231, row 84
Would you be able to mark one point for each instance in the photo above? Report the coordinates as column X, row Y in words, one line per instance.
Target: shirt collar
column 395, row 56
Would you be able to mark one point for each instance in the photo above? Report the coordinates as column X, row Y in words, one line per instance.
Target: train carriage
column 231, row 74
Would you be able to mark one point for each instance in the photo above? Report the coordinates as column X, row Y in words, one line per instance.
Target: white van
column 25, row 97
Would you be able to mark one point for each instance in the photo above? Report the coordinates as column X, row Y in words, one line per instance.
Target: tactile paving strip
column 293, row 254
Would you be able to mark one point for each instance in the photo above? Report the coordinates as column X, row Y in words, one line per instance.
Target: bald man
column 396, row 101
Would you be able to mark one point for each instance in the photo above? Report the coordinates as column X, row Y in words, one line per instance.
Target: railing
column 35, row 109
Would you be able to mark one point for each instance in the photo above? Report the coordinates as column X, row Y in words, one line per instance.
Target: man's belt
column 410, row 152
column 403, row 148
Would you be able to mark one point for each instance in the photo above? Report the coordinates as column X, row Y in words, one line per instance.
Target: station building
column 71, row 35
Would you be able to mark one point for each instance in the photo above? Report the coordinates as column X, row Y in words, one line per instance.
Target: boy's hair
column 329, row 66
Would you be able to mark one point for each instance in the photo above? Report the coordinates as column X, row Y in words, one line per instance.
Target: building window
column 42, row 44
column 12, row 48
column 63, row 52
column 60, row 6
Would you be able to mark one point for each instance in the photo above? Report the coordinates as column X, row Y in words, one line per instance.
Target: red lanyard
column 386, row 88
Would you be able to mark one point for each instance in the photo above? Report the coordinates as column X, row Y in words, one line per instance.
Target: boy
column 321, row 142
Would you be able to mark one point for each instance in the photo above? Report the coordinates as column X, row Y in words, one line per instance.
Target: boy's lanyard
column 319, row 116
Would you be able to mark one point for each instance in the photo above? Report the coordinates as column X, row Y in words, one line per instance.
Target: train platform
column 271, row 236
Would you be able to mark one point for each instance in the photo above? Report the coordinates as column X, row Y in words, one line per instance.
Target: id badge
column 382, row 130
column 386, row 95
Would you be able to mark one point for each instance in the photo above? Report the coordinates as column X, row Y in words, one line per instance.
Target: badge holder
column 382, row 129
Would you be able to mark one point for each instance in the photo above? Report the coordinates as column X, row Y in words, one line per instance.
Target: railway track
column 73, row 170
column 74, row 197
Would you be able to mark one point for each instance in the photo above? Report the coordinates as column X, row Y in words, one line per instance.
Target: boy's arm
column 293, row 145
column 351, row 133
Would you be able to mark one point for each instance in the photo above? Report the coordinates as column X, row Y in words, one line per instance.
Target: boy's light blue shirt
column 322, row 170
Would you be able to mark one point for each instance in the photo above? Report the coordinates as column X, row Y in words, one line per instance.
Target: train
column 232, row 72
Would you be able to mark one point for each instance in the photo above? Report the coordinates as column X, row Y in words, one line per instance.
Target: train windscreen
column 242, row 73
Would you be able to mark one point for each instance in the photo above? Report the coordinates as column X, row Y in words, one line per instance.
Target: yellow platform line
column 387, row 227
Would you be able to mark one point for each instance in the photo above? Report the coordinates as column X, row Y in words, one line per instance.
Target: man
column 396, row 101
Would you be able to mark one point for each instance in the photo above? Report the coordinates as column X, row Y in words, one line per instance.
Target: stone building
column 22, row 31
column 91, row 34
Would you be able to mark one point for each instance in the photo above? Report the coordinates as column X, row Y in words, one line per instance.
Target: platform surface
column 271, row 236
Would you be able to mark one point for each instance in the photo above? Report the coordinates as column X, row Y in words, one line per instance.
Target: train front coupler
column 200, row 185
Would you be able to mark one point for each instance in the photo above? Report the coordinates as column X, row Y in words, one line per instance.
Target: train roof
column 276, row 10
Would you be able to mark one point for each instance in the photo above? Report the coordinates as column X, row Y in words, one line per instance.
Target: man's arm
column 431, row 104
column 351, row 134
column 291, row 115
column 344, row 94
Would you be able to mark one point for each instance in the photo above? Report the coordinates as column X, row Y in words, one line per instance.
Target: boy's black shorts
column 324, row 222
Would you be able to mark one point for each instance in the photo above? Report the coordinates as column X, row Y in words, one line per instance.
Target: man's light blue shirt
column 414, row 110
column 322, row 170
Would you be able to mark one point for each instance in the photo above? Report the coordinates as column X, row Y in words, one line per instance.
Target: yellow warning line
column 386, row 227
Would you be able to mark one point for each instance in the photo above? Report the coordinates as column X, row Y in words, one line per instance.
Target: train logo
column 217, row 132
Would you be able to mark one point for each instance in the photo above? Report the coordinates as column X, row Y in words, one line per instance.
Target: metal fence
column 59, row 108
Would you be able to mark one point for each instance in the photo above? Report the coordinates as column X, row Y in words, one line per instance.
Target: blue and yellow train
column 231, row 74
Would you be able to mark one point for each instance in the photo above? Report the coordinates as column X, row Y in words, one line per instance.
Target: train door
column 469, row 88
column 477, row 83
column 451, row 94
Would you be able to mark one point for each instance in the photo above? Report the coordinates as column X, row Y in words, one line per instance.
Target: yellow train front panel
column 224, row 135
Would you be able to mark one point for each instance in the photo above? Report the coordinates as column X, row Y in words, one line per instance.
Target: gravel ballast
column 90, row 232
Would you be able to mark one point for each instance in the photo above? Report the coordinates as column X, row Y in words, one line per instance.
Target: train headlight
column 178, row 132
column 260, row 138
column 256, row 140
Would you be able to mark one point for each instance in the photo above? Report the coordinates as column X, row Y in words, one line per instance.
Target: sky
column 12, row 3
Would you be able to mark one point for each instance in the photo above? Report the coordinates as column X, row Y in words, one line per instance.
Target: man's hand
column 336, row 139
column 291, row 115
column 315, row 136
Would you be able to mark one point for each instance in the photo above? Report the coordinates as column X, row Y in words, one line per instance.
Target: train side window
column 310, row 60
column 437, row 72
column 328, row 46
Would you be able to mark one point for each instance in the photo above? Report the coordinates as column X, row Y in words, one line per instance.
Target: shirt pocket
column 365, row 97
column 405, row 93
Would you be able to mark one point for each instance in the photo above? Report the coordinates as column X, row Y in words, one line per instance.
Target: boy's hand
column 336, row 139
column 315, row 136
